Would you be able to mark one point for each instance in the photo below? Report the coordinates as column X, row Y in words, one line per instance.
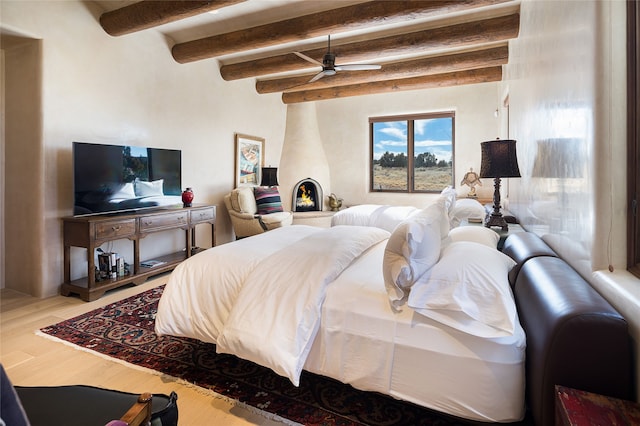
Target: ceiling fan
column 329, row 66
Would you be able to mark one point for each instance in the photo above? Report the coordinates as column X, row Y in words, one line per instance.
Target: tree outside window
column 412, row 153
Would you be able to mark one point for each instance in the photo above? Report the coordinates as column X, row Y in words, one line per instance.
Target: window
column 412, row 153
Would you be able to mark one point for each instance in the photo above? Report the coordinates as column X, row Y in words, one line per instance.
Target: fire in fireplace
column 307, row 196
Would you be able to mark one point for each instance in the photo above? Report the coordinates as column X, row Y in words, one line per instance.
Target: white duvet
column 267, row 308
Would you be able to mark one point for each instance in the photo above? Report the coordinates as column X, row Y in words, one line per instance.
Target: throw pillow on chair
column 267, row 200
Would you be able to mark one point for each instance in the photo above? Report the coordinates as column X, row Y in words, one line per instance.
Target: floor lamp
column 499, row 161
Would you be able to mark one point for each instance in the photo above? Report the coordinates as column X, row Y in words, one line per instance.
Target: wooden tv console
column 91, row 232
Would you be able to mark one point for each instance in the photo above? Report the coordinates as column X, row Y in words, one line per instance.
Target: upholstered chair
column 254, row 210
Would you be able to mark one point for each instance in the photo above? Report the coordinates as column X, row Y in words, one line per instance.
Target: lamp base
column 496, row 220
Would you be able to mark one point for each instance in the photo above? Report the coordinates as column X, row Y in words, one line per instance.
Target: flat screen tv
column 118, row 178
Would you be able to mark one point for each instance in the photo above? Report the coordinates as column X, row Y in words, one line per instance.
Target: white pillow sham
column 150, row 189
column 449, row 196
column 478, row 234
column 412, row 249
column 464, row 209
column 468, row 289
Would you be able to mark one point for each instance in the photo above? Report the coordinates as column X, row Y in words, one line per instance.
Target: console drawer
column 203, row 215
column 159, row 221
column 115, row 229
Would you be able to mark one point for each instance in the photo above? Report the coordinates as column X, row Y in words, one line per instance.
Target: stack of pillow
column 455, row 276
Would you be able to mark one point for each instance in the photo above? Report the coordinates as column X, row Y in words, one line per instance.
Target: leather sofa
column 575, row 338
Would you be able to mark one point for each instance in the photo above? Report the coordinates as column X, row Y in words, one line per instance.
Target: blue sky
column 431, row 135
column 137, row 151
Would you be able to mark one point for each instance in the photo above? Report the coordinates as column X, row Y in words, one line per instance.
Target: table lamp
column 269, row 176
column 499, row 161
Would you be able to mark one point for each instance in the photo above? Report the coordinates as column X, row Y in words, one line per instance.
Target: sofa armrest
column 575, row 338
column 523, row 246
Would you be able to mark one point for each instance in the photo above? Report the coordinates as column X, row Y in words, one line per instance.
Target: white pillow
column 448, row 195
column 388, row 217
column 478, row 234
column 413, row 248
column 149, row 189
column 243, row 200
column 464, row 209
column 126, row 191
column 468, row 290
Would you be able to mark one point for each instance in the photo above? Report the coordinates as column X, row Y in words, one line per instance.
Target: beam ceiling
column 420, row 44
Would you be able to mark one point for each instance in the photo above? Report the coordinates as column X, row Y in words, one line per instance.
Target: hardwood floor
column 32, row 360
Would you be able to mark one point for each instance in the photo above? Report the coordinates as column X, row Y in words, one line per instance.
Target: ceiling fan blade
column 308, row 59
column 357, row 67
column 317, row 77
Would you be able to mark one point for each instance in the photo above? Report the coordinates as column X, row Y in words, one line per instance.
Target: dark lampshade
column 499, row 159
column 269, row 176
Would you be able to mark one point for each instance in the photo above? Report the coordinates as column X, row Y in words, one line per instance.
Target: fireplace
column 307, row 196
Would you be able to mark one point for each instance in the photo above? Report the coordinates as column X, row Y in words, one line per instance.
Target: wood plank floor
column 32, row 360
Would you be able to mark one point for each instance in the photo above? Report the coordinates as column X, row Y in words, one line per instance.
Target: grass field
column 426, row 179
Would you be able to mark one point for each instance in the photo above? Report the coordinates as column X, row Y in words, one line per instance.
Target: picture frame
column 249, row 160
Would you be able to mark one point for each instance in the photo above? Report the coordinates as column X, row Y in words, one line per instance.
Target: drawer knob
column 115, row 227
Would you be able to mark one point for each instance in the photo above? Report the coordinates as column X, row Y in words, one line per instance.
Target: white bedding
column 360, row 340
column 381, row 216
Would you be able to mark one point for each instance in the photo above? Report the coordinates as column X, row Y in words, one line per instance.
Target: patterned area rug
column 125, row 330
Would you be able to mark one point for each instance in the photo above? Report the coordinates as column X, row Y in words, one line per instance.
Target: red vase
column 187, row 197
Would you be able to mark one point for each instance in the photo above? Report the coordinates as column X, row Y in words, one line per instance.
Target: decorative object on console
column 471, row 179
column 187, row 197
column 499, row 160
column 269, row 176
column 334, row 202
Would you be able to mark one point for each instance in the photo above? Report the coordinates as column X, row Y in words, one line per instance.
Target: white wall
column 566, row 78
column 344, row 128
column 98, row 88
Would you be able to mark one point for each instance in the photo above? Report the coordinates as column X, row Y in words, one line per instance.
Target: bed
column 442, row 346
column 357, row 304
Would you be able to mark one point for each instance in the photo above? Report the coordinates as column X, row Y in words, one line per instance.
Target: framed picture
column 249, row 160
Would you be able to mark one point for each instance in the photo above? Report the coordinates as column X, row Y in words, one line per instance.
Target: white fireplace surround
column 303, row 154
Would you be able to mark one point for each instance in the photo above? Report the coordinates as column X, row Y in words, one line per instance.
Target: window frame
column 410, row 119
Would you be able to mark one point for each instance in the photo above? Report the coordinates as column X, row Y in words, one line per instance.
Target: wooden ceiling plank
column 151, row 13
column 483, row 58
column 318, row 24
column 416, row 83
column 455, row 36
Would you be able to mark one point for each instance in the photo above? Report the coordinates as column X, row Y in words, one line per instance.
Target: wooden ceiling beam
column 151, row 13
column 397, row 70
column 334, row 21
column 455, row 36
column 415, row 83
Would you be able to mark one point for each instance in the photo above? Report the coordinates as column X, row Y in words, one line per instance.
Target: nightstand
column 513, row 228
column 576, row 407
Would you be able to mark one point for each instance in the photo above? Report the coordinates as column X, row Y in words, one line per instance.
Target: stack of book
column 111, row 266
